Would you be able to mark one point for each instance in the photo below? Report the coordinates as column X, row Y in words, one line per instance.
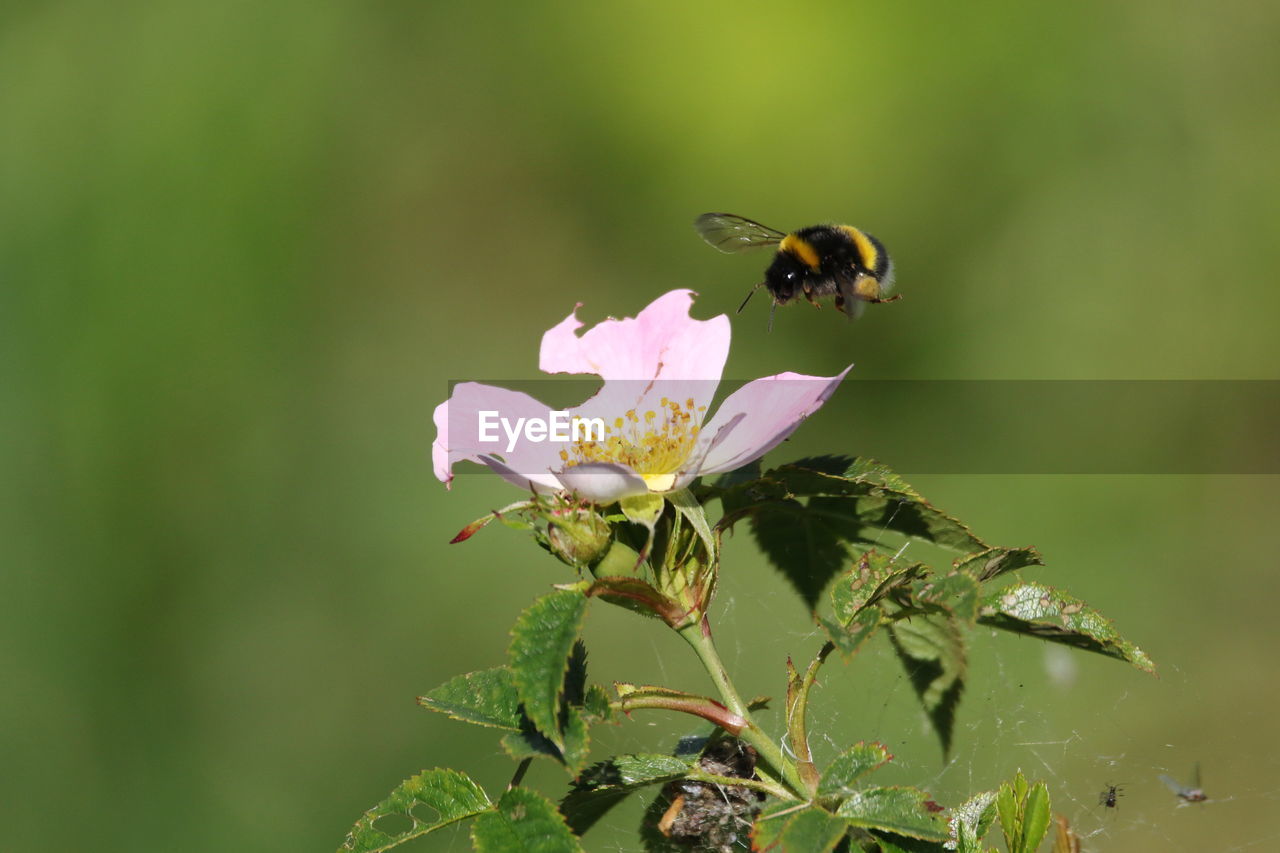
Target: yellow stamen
column 655, row 447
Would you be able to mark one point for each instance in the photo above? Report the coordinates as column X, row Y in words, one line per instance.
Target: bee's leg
column 893, row 298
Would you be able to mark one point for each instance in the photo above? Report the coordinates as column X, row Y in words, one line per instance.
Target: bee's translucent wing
column 730, row 233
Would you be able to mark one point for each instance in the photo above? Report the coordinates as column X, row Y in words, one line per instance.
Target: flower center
column 654, row 443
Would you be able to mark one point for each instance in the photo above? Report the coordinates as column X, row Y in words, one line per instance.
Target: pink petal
column 692, row 468
column 661, row 340
column 459, row 435
column 602, row 483
column 770, row 409
column 525, row 480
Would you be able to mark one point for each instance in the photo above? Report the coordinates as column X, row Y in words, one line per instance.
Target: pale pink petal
column 440, row 446
column 692, row 468
column 526, row 480
column 661, row 340
column 602, row 483
column 460, row 432
column 773, row 407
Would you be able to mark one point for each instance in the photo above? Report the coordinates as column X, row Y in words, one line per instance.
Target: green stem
column 698, row 636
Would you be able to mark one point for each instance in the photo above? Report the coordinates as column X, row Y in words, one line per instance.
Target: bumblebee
column 814, row 262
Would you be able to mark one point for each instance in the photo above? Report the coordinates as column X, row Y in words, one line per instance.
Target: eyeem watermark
column 559, row 426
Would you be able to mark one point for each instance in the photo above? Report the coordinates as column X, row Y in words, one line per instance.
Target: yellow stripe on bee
column 866, row 249
column 801, row 249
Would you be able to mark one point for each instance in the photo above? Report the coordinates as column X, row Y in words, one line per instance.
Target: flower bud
column 579, row 537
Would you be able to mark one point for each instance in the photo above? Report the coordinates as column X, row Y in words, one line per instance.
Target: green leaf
column 602, row 786
column 1035, row 817
column 807, row 518
column 848, row 639
column 486, row 698
column 970, row 822
column 804, row 543
column 451, row 795
column 872, row 577
column 523, row 822
column 932, row 651
column 850, row 766
column 595, row 705
column 891, row 843
column 531, row 743
column 1041, row 611
column 784, row 829
column 1008, row 807
column 1024, row 814
column 900, row 810
column 541, row 642
column 993, row 562
column 956, row 593
column 881, row 499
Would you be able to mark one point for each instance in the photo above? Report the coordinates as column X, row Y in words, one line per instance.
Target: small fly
column 1191, row 793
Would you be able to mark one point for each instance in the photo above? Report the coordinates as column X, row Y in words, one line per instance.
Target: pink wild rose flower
column 646, row 429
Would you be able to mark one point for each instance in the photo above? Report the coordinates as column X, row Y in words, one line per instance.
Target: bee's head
column 784, row 277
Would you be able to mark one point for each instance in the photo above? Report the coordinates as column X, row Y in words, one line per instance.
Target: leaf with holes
column 872, row 577
column 849, row 638
column 452, row 796
column 900, row 810
column 956, row 594
column 784, row 829
column 932, row 651
column 541, row 643
column 602, row 786
column 523, row 822
column 1041, row 611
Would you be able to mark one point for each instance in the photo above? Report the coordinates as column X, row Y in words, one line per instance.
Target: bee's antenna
column 772, row 311
column 750, row 293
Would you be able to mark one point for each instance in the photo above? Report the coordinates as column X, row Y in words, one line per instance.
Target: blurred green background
column 243, row 248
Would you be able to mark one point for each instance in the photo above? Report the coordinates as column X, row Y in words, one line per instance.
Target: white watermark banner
column 557, row 427
column 914, row 426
